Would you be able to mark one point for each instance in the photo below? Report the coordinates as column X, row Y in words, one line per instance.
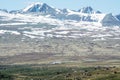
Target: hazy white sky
column 106, row 6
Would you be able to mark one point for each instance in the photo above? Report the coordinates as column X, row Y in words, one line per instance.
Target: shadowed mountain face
column 86, row 10
column 110, row 20
column 3, row 10
column 40, row 7
column 118, row 17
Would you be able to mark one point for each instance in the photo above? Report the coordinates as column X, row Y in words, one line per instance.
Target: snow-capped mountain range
column 40, row 20
column 86, row 14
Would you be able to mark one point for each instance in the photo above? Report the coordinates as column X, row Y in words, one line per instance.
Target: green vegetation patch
column 50, row 72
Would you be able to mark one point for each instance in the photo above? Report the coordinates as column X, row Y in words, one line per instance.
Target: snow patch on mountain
column 8, row 31
column 7, row 24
